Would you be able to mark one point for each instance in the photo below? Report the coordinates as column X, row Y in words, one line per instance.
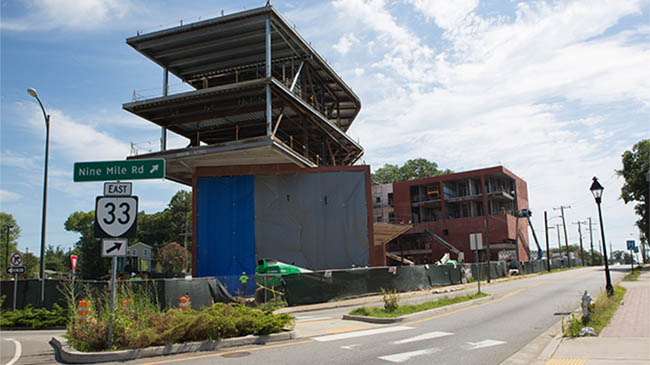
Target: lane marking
column 371, row 332
column 404, row 356
column 350, row 347
column 349, row 329
column 311, row 318
column 484, row 343
column 19, row 351
column 426, row 336
column 264, row 347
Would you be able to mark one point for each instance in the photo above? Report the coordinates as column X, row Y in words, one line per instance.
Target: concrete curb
column 418, row 315
column 68, row 355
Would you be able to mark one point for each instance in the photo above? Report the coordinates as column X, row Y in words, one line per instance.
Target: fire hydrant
column 587, row 306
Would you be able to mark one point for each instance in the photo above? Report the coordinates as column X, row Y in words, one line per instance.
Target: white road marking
column 484, row 343
column 375, row 331
column 350, row 347
column 19, row 351
column 407, row 355
column 311, row 318
column 426, row 336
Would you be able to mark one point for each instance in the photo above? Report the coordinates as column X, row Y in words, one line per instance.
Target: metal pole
column 548, row 252
column 608, row 280
column 15, row 289
column 478, row 279
column 269, row 110
column 43, row 221
column 7, row 253
column 566, row 239
column 582, row 255
column 110, row 318
column 163, row 130
column 591, row 242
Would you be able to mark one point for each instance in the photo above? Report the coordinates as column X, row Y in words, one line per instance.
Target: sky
column 555, row 91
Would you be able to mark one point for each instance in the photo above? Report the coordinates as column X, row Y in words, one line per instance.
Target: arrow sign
column 113, row 247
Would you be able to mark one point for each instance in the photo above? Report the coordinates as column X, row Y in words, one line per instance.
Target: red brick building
column 453, row 207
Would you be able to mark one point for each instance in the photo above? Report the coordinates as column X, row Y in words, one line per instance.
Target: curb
column 417, row 315
column 68, row 355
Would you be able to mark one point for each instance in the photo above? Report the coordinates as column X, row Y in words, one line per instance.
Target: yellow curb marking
column 349, row 329
column 566, row 362
column 230, row 352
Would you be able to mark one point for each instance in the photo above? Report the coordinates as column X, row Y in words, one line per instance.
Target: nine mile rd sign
column 119, row 170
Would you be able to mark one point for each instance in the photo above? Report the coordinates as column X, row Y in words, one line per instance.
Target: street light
column 597, row 191
column 33, row 93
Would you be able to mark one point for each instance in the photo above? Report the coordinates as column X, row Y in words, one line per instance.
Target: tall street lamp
column 597, row 191
column 33, row 93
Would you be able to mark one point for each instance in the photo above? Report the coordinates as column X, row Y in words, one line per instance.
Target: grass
column 634, row 275
column 408, row 309
column 603, row 311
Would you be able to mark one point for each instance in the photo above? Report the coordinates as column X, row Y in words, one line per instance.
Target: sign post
column 476, row 244
column 630, row 246
column 16, row 262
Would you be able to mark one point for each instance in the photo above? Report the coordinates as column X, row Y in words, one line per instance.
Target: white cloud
column 13, row 159
column 76, row 140
column 345, row 43
column 8, row 196
column 447, row 14
column 68, row 14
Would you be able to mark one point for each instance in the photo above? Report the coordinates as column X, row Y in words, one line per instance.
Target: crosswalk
column 400, row 357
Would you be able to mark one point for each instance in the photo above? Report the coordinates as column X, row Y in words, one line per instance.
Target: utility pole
column 548, row 252
column 566, row 239
column 582, row 255
column 611, row 253
column 591, row 242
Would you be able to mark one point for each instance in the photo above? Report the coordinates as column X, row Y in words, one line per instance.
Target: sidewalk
column 626, row 340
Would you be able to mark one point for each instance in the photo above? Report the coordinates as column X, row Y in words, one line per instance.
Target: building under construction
column 453, row 207
column 268, row 156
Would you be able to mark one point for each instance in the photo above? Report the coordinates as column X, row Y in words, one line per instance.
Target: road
column 482, row 334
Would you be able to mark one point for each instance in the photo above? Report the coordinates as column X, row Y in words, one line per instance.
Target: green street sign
column 119, row 170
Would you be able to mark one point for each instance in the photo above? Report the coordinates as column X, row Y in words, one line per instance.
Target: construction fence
column 202, row 291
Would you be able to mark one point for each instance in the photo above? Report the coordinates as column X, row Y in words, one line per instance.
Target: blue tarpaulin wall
column 226, row 230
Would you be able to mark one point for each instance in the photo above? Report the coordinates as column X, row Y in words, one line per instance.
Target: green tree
column 91, row 264
column 180, row 213
column 171, row 257
column 58, row 259
column 8, row 224
column 31, row 263
column 636, row 164
column 412, row 169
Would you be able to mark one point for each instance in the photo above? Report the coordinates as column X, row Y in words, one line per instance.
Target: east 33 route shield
column 116, row 216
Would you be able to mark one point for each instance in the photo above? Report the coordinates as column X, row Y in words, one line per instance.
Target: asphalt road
column 484, row 334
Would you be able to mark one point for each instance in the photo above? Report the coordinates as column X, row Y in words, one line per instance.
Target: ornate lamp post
column 597, row 191
column 33, row 93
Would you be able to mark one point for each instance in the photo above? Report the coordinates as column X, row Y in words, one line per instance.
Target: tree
column 58, row 259
column 636, row 164
column 171, row 257
column 412, row 169
column 91, row 264
column 31, row 263
column 7, row 224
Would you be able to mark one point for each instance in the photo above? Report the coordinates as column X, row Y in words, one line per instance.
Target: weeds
column 391, row 300
column 603, row 311
column 634, row 275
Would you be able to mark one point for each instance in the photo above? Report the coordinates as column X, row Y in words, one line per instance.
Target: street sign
column 630, row 245
column 119, row 170
column 16, row 270
column 113, row 247
column 16, row 259
column 116, row 216
column 117, row 188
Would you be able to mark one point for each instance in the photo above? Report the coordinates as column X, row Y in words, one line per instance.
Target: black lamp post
column 33, row 93
column 597, row 191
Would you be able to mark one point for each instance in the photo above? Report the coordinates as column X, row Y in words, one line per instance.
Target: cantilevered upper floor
column 254, row 76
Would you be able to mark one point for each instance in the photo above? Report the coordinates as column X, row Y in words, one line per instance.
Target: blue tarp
column 226, row 230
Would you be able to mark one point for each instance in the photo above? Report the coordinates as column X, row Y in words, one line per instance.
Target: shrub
column 34, row 318
column 391, row 299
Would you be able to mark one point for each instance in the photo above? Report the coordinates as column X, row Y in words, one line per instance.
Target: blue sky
column 554, row 91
